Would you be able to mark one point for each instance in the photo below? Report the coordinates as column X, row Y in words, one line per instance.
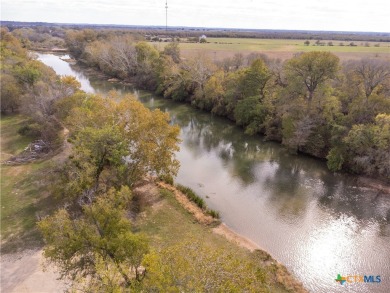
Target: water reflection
column 61, row 67
column 316, row 223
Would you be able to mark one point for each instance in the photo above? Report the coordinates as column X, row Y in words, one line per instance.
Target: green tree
column 251, row 114
column 29, row 73
column 117, row 143
column 97, row 251
column 254, row 80
column 147, row 60
column 368, row 147
column 215, row 92
column 311, row 70
column 173, row 50
column 174, row 82
column 10, row 93
column 96, row 164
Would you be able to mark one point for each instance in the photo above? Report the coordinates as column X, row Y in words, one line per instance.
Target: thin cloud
column 354, row 15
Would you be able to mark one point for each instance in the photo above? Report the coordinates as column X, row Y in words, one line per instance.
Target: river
column 317, row 223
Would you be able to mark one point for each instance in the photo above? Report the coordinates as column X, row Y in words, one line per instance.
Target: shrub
column 30, row 130
column 213, row 213
column 192, row 196
column 167, row 179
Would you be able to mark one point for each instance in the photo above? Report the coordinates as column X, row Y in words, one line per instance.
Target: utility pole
column 166, row 15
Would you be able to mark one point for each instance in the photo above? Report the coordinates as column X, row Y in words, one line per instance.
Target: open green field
column 287, row 45
column 219, row 48
column 23, row 193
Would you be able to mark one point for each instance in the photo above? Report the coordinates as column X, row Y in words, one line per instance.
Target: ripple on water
column 315, row 222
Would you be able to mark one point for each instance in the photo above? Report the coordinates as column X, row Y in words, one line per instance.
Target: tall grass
column 213, row 213
column 192, row 196
column 167, row 179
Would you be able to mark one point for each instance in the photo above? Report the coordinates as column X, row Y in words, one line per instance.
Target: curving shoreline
column 379, row 184
column 283, row 275
column 334, row 193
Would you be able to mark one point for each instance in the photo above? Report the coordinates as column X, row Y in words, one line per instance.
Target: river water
column 318, row 224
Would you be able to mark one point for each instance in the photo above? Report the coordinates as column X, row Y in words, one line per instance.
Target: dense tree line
column 40, row 38
column 311, row 103
column 31, row 88
column 266, row 34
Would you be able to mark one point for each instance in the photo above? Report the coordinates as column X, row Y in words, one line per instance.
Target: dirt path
column 23, row 272
column 66, row 148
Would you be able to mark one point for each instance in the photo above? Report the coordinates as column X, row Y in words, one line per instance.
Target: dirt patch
column 5, row 156
column 17, row 170
column 66, row 148
column 232, row 236
column 191, row 207
column 39, row 151
column 24, row 272
column 146, row 192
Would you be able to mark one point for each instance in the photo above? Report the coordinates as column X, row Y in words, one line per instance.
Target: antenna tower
column 166, row 15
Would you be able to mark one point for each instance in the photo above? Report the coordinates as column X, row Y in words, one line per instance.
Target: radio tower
column 166, row 15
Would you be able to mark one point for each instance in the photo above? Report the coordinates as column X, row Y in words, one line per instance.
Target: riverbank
column 51, row 50
column 26, row 271
column 378, row 184
column 282, row 275
column 22, row 262
column 289, row 204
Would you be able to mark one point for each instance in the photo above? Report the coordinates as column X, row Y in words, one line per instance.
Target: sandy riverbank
column 24, row 272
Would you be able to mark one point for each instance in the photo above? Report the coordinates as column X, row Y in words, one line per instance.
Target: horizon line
column 196, row 27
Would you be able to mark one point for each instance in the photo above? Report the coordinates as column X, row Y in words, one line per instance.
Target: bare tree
column 371, row 74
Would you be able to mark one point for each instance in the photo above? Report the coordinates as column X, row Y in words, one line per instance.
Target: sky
column 328, row 15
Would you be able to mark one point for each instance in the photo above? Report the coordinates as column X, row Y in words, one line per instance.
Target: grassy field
column 11, row 142
column 23, row 194
column 288, row 45
column 220, row 48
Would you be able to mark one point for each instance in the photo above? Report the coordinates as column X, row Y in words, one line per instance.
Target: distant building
column 203, row 39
